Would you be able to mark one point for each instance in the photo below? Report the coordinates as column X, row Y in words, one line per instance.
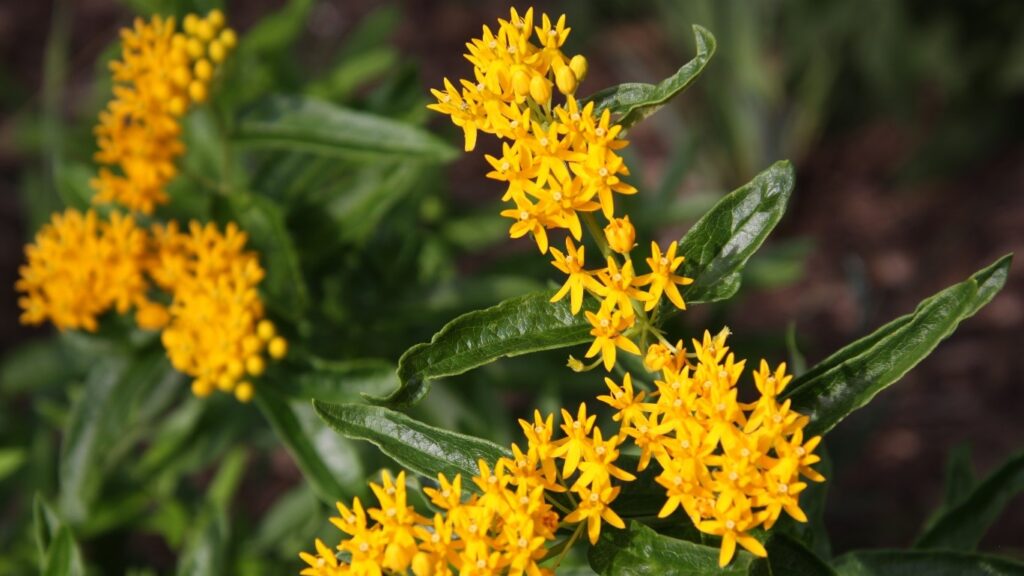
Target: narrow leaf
column 640, row 550
column 633, row 102
column 288, row 428
column 419, row 447
column 720, row 243
column 931, row 562
column 961, row 526
column 850, row 378
column 520, row 325
column 63, row 557
column 339, row 381
column 297, row 123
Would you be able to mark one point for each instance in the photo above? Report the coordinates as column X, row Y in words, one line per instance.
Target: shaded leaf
column 962, row 525
column 63, row 557
column 634, row 101
column 288, row 428
column 932, row 563
column 340, row 381
column 640, row 550
column 788, row 556
column 851, row 377
column 417, row 446
column 297, row 123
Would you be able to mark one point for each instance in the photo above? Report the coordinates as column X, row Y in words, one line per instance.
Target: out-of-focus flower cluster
column 161, row 73
column 199, row 286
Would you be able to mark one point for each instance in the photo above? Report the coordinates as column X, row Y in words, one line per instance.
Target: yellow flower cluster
column 730, row 466
column 81, row 266
column 215, row 328
column 160, row 74
column 561, row 165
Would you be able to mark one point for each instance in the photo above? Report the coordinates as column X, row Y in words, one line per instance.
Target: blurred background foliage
column 903, row 120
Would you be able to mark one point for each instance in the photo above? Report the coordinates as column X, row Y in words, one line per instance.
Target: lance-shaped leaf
column 298, row 123
column 634, row 101
column 719, row 244
column 930, row 562
column 640, row 550
column 851, row 377
column 716, row 248
column 417, row 446
column 520, row 325
column 337, row 381
column 300, row 444
column 962, row 525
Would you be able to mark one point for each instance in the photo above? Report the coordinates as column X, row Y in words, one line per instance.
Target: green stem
column 572, row 540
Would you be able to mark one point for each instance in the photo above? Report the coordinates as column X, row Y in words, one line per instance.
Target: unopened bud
column 620, row 234
column 579, row 67
column 540, row 89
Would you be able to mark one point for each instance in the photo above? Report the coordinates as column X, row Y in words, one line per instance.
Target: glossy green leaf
column 962, row 525
column 633, row 102
column 417, row 446
column 851, row 377
column 520, row 325
column 931, row 562
column 639, row 550
column 297, row 123
column 289, row 429
column 264, row 222
column 719, row 244
column 788, row 556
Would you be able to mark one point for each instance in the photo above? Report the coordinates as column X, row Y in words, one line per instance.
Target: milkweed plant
column 685, row 457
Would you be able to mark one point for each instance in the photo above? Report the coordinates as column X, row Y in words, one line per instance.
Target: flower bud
column 228, row 38
column 620, row 234
column 217, row 51
column 540, row 89
column 521, row 82
column 152, row 316
column 658, row 355
column 244, row 392
column 197, row 91
column 579, row 67
column 565, row 79
column 277, row 348
column 216, row 19
column 203, row 70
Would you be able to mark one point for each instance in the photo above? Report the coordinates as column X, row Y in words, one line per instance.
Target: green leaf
column 633, row 102
column 788, row 556
column 960, row 480
column 11, row 460
column 339, row 381
column 63, row 557
column 423, row 449
column 81, row 456
column 297, row 123
column 288, row 428
column 932, row 563
column 101, row 429
column 640, row 550
column 718, row 246
column 205, row 553
column 275, row 32
column 961, row 526
column 264, row 222
column 851, row 377
column 520, row 325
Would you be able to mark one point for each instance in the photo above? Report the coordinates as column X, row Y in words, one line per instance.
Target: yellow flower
column 594, row 507
column 662, row 278
column 608, row 327
column 466, row 111
column 580, row 279
column 620, row 235
column 81, row 266
column 628, row 405
column 618, row 286
column 530, row 219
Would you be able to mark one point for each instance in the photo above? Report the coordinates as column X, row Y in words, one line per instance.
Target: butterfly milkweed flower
column 160, row 74
column 80, row 266
column 216, row 331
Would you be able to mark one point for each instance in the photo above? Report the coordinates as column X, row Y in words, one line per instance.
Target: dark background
column 902, row 117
